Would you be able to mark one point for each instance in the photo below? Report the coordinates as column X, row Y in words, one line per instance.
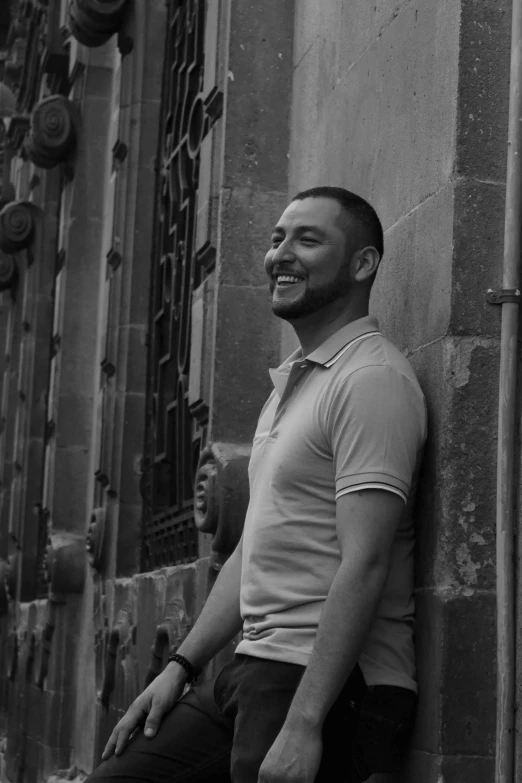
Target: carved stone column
column 52, row 136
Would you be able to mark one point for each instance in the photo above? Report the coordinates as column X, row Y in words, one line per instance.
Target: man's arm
column 217, row 625
column 220, row 619
column 366, row 526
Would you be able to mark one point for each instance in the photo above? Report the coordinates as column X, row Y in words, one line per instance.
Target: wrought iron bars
column 174, row 437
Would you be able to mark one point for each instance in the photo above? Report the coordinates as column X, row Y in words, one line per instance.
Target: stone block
column 386, row 129
column 71, row 468
column 456, row 656
column 150, row 18
column 259, row 85
column 344, row 29
column 467, row 769
column 478, row 237
column 129, row 450
column 412, row 293
column 469, row 675
column 455, row 509
column 129, row 539
column 132, row 348
column 483, row 95
column 246, row 346
column 248, row 217
column 74, row 420
column 150, row 604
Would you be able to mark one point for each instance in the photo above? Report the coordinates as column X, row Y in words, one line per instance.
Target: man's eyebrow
column 301, row 230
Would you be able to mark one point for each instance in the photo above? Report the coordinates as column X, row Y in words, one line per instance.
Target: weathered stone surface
column 485, row 32
column 412, row 292
column 385, row 129
column 249, row 216
column 246, row 346
column 478, row 237
column 469, row 675
column 455, row 509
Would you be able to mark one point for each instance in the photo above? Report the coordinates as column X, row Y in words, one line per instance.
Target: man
column 322, row 686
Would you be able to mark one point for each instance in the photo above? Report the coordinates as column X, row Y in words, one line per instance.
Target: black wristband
column 191, row 670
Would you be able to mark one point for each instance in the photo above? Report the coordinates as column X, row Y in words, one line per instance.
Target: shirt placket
column 295, row 378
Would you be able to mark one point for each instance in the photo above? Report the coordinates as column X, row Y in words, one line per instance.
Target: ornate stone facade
column 120, row 494
column 146, row 150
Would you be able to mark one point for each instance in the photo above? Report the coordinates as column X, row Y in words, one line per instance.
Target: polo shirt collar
column 329, row 352
column 336, row 345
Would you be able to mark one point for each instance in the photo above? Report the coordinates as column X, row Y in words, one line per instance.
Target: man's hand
column 149, row 708
column 294, row 757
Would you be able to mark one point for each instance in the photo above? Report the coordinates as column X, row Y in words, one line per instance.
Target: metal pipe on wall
column 509, row 298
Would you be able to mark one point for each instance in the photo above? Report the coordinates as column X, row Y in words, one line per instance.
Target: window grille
column 173, row 435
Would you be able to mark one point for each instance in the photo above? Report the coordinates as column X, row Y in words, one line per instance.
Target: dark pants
column 222, row 730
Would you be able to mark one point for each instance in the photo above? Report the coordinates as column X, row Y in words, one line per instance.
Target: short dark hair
column 359, row 209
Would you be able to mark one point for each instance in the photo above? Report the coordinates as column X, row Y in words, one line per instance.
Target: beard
column 313, row 299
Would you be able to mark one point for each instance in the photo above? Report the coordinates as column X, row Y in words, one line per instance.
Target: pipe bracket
column 503, row 295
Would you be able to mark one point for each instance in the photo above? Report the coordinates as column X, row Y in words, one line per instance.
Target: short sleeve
column 376, row 424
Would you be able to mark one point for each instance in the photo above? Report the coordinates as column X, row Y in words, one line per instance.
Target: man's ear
column 366, row 263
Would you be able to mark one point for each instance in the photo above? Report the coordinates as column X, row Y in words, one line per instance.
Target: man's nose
column 284, row 252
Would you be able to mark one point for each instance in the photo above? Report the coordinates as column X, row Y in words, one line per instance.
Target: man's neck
column 315, row 329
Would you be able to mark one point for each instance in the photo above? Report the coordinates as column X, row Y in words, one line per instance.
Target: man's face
column 308, row 262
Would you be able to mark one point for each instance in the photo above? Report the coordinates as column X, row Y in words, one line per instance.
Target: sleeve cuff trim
column 373, row 485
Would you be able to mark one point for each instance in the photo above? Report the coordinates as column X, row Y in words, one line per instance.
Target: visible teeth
column 288, row 279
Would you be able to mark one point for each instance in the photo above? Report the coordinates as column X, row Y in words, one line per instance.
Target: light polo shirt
column 350, row 416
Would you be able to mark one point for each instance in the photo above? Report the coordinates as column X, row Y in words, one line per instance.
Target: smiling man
column 322, row 685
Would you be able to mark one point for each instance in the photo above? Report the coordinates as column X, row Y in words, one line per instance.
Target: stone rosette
column 53, row 132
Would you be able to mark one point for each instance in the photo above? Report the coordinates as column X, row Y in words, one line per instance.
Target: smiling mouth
column 285, row 281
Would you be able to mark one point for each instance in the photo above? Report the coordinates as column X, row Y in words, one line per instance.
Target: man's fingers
column 109, row 747
column 121, row 733
column 123, row 736
column 154, row 719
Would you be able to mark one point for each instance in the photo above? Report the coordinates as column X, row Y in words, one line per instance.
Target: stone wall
column 406, row 104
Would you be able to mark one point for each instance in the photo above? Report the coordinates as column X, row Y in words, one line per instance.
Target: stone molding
column 221, row 495
column 94, row 22
column 53, row 133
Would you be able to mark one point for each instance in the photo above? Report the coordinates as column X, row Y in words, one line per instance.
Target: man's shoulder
column 373, row 358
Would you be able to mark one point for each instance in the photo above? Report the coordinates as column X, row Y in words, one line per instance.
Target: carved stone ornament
column 52, row 136
column 95, row 541
column 221, row 495
column 8, row 271
column 172, row 630
column 118, row 636
column 94, row 22
column 65, row 562
column 17, row 226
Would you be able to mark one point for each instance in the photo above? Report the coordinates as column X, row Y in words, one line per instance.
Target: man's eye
column 276, row 241
column 309, row 240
